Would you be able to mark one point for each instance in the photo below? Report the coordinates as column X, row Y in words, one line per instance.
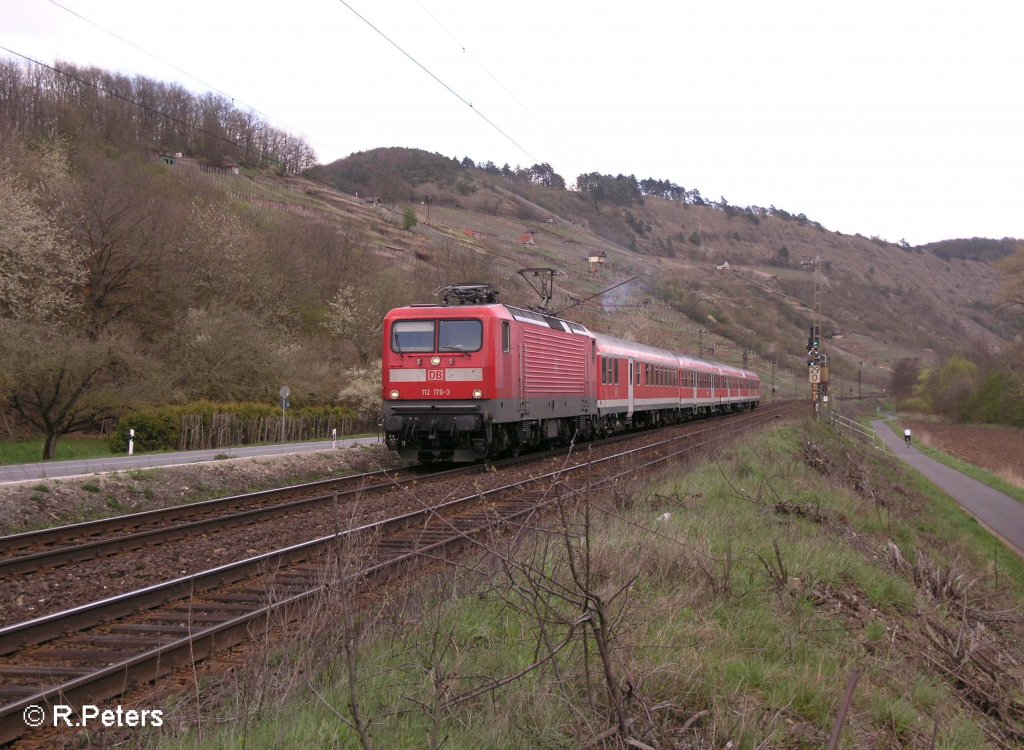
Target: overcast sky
column 896, row 118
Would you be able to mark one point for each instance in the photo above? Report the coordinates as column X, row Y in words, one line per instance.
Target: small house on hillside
column 596, row 260
column 166, row 157
column 527, row 239
column 226, row 166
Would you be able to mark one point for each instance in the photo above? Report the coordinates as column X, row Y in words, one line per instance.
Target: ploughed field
column 997, row 449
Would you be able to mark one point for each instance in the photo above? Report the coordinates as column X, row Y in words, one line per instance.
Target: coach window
column 460, row 336
column 506, row 336
column 412, row 336
column 615, row 370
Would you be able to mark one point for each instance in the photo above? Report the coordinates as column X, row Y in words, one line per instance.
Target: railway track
column 31, row 551
column 94, row 652
column 63, row 545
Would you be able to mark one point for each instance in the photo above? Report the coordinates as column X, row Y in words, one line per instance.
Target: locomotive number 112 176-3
column 436, row 392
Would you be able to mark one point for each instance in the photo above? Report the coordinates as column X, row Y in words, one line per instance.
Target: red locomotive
column 465, row 381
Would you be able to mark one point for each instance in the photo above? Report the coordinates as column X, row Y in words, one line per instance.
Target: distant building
column 596, row 260
column 527, row 239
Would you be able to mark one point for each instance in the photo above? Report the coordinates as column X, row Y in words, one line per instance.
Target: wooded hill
column 880, row 301
column 162, row 248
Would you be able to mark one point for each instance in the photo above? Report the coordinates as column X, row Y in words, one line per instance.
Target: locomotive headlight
column 435, row 361
column 394, row 395
column 478, row 393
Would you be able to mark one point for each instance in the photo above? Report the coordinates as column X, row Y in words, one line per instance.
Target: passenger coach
column 464, row 381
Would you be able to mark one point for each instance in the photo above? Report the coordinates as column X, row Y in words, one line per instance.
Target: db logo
column 435, row 374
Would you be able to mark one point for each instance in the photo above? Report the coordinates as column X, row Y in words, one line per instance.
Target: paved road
column 999, row 512
column 54, row 469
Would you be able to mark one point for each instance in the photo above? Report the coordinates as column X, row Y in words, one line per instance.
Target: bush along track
column 794, row 590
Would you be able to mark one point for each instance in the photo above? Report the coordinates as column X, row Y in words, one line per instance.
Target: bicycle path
column 64, row 469
column 1000, row 513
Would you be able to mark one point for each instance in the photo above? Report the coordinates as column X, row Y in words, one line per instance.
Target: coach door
column 631, row 368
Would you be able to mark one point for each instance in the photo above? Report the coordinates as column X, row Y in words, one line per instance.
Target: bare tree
column 124, row 222
column 58, row 381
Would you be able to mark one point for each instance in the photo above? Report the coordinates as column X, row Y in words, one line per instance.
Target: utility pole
column 817, row 360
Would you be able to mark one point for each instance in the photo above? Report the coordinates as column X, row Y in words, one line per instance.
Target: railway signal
column 817, row 360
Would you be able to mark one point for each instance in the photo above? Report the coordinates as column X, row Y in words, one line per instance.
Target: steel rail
column 87, row 550
column 26, row 563
column 58, row 534
column 49, row 626
column 154, row 663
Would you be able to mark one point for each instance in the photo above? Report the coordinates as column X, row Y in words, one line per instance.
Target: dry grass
column 1012, row 477
column 734, row 614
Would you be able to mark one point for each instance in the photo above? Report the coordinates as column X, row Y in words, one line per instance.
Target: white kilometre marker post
column 284, row 393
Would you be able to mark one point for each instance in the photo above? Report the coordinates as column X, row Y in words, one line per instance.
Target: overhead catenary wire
column 195, row 78
column 448, row 88
column 270, row 118
column 140, row 105
column 493, row 77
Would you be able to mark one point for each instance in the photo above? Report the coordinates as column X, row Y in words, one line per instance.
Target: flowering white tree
column 361, row 392
column 355, row 318
column 40, row 268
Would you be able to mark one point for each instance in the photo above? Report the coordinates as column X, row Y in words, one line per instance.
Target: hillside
column 145, row 265
column 737, row 598
column 879, row 301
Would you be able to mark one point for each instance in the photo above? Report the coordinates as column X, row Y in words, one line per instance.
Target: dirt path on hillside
column 996, row 449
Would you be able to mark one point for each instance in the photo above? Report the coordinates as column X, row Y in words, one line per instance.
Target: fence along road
column 999, row 512
column 56, row 469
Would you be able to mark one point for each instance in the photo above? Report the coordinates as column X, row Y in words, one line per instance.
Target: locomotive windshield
column 436, row 336
column 460, row 336
column 412, row 336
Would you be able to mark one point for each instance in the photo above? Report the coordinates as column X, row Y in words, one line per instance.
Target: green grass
column 31, row 451
column 733, row 607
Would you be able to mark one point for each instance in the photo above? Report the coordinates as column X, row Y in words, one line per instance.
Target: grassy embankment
column 68, row 449
column 791, row 562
